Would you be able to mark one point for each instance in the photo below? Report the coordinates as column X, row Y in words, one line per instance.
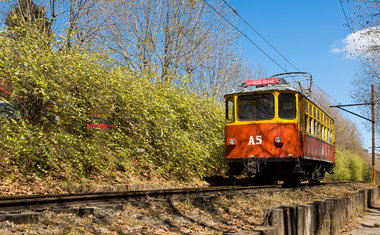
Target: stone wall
column 321, row 217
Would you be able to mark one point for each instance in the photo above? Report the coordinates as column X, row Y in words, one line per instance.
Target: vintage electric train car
column 277, row 133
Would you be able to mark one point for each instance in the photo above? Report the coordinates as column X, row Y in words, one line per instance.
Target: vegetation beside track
column 160, row 130
column 349, row 167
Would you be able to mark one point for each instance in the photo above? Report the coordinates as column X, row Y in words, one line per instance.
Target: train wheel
column 292, row 182
column 261, row 180
column 235, row 168
column 314, row 182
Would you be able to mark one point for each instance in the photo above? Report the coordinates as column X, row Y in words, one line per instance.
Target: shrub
column 349, row 166
column 159, row 129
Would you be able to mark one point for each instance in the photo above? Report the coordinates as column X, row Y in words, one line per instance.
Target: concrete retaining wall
column 321, row 217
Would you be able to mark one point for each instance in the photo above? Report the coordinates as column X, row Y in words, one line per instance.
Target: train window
column 314, row 114
column 255, row 107
column 287, row 106
column 311, row 125
column 323, row 132
column 318, row 129
column 306, row 123
column 305, row 107
column 310, row 110
column 330, row 137
column 326, row 134
column 230, row 109
column 315, row 127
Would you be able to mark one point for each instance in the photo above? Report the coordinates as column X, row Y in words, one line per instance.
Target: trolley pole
column 373, row 136
column 372, row 120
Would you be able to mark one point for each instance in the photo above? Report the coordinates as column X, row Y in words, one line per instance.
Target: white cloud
column 361, row 43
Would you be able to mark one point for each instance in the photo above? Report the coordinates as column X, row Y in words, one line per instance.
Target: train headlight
column 278, row 139
column 232, row 141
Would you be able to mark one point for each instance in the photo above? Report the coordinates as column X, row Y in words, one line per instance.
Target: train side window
column 318, row 132
column 315, row 127
column 230, row 110
column 306, row 123
column 323, row 132
column 306, row 105
column 310, row 110
column 311, row 125
column 326, row 134
column 287, row 106
column 330, row 137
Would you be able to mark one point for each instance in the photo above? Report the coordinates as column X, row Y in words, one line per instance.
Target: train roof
column 280, row 85
column 264, row 88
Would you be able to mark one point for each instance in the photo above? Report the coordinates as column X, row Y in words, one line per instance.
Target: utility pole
column 372, row 120
column 373, row 136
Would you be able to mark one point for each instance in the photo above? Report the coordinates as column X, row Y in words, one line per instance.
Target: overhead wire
column 265, row 40
column 277, row 51
column 245, row 35
column 266, row 54
column 262, row 37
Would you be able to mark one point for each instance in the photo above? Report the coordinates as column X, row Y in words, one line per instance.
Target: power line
column 260, row 35
column 245, row 35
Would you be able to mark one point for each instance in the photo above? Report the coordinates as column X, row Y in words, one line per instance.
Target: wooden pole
column 373, row 136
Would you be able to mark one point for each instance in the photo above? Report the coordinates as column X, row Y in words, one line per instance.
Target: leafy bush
column 159, row 129
column 349, row 166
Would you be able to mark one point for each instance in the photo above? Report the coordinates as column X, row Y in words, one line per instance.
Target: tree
column 174, row 37
column 181, row 42
column 27, row 15
column 365, row 24
column 71, row 22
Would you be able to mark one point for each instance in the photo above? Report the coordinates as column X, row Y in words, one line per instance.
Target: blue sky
column 310, row 35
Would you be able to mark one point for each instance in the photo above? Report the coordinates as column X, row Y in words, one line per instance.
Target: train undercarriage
column 289, row 170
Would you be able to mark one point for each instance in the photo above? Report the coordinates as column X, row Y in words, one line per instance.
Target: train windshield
column 287, row 106
column 255, row 107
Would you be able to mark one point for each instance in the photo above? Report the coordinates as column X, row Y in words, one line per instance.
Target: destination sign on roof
column 260, row 82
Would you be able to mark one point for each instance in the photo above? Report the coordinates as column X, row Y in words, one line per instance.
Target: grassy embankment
column 161, row 130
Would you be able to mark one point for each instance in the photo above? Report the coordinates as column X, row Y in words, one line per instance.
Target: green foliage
column 349, row 167
column 178, row 132
column 42, row 79
column 27, row 15
column 159, row 129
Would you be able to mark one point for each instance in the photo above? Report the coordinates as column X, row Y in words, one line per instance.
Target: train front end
column 262, row 130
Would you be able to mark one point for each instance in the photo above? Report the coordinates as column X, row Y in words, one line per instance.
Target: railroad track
column 70, row 200
column 48, row 201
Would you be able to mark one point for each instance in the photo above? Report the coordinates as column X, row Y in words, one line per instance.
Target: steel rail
column 44, row 201
column 48, row 201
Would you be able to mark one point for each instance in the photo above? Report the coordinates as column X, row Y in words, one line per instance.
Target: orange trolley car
column 276, row 132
